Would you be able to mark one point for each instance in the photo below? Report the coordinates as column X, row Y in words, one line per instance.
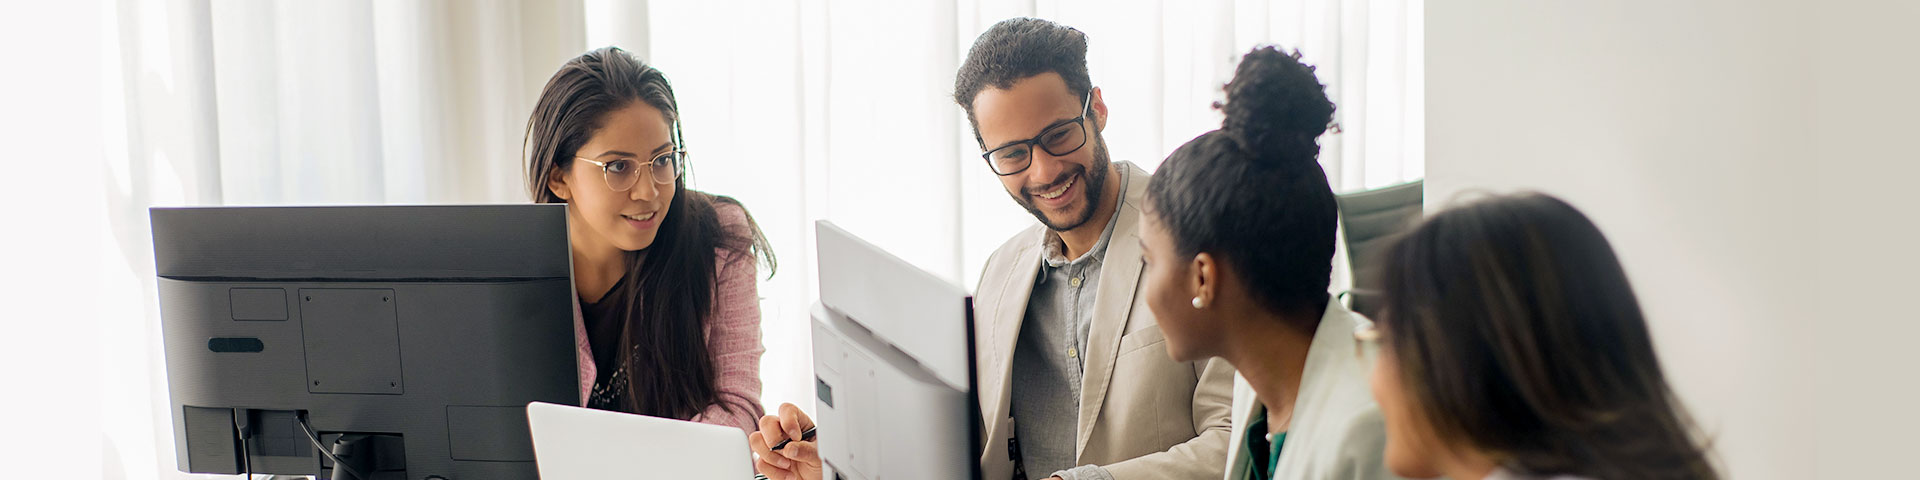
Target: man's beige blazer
column 1142, row 415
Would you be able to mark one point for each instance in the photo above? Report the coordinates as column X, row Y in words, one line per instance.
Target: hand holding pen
column 784, row 448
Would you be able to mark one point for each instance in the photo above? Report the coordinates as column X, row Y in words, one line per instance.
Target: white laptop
column 581, row 443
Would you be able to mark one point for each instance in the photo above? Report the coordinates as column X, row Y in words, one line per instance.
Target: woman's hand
column 799, row 460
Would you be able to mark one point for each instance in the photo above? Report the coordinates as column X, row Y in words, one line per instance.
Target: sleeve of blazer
column 1363, row 450
column 1205, row 456
column 982, row 324
column 583, row 354
column 733, row 336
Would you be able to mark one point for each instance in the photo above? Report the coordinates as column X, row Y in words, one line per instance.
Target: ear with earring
column 1203, row 281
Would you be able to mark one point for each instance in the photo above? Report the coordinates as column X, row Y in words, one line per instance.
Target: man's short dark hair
column 1018, row 48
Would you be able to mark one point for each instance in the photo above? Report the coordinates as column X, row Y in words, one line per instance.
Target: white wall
column 1866, row 120
column 1726, row 148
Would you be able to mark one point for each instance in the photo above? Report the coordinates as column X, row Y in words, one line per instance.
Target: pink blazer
column 733, row 337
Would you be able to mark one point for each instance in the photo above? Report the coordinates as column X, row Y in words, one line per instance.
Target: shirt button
column 1073, row 352
column 1075, row 281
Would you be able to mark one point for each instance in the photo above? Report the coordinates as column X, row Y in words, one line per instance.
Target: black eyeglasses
column 1057, row 140
column 622, row 173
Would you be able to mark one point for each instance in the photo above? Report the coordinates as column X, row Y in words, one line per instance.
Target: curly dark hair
column 1018, row 48
column 1252, row 193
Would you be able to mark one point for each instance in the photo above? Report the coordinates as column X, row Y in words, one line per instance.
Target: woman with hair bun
column 1239, row 239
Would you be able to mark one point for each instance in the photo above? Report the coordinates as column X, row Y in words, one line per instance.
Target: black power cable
column 244, row 424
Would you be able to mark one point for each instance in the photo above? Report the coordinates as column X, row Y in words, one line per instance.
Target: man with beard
column 1075, row 381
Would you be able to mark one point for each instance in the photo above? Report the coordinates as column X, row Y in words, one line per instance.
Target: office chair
column 1371, row 217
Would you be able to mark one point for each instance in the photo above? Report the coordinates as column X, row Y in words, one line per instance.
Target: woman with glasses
column 1239, row 237
column 1512, row 347
column 668, row 321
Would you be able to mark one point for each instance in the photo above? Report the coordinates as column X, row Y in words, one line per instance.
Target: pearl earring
column 1197, row 303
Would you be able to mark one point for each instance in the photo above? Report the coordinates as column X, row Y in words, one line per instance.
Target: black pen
column 804, row 436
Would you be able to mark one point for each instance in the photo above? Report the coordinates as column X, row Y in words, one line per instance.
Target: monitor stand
column 375, row 455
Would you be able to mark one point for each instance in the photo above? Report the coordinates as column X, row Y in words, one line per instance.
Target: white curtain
column 802, row 109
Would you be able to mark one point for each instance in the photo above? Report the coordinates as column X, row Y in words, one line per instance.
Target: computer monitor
column 407, row 340
column 893, row 366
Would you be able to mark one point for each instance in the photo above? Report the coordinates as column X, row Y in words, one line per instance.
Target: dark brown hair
column 667, row 298
column 1516, row 332
column 1017, row 48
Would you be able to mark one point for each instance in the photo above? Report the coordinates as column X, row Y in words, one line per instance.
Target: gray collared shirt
column 1049, row 357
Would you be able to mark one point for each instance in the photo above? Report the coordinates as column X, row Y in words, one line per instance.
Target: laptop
column 579, row 443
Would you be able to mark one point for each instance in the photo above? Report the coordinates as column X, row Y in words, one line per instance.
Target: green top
column 1259, row 450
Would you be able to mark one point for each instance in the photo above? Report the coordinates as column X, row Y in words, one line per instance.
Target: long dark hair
column 1252, row 193
column 667, row 298
column 1516, row 331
